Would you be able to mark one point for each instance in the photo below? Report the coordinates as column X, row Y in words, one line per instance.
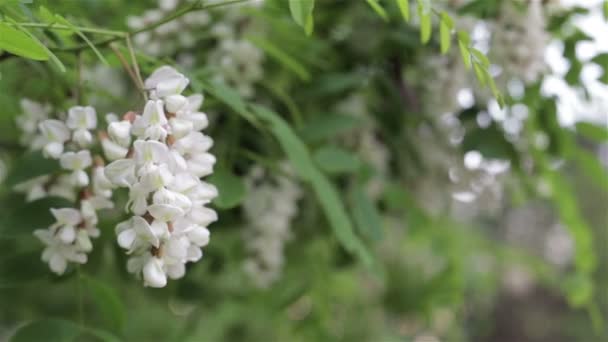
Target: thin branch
column 136, row 67
column 196, row 6
column 128, row 69
column 54, row 26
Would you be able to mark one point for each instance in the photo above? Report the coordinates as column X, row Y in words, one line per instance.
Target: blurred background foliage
column 429, row 212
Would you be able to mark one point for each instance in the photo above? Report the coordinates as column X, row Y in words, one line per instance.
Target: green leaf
column 325, row 191
column 333, row 159
column 21, row 44
column 606, row 10
column 231, row 188
column 20, row 269
column 425, row 23
column 404, row 7
column 51, row 55
column 463, row 45
column 479, row 72
column 592, row 167
column 445, row 28
column 281, row 56
column 378, row 9
column 301, row 11
column 366, row 215
column 591, row 131
column 481, row 58
column 107, row 302
column 228, row 96
column 30, row 166
column 327, row 126
column 49, row 330
column 27, row 217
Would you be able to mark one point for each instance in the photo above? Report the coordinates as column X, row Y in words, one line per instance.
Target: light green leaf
column 425, row 23
column 366, row 215
column 107, row 302
column 445, row 30
column 591, row 131
column 463, row 45
column 606, row 10
column 378, row 9
column 21, row 44
column 481, row 58
column 51, row 55
column 333, row 159
column 480, row 73
column 301, row 11
column 281, row 56
column 404, row 7
column 230, row 187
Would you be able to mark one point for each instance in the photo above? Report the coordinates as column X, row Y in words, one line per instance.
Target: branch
column 181, row 12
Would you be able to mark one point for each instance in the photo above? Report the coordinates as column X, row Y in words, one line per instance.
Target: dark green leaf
column 326, row 126
column 366, row 215
column 31, row 165
column 27, row 217
column 107, row 302
column 231, row 188
column 22, row 269
column 48, row 330
column 333, row 159
column 281, row 56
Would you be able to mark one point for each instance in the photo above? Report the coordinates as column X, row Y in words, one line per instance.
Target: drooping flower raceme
column 162, row 168
column 270, row 206
column 83, row 182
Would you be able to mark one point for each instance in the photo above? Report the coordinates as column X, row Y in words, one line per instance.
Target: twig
column 136, row 67
column 193, row 7
column 125, row 65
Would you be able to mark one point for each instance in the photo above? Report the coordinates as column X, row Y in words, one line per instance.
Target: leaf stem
column 54, row 26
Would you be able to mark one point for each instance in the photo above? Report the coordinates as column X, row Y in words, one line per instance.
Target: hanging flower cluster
column 269, row 207
column 169, row 37
column 159, row 155
column 520, row 40
column 82, row 180
column 162, row 169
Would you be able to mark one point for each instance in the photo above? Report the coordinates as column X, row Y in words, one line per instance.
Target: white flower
column 152, row 123
column 149, row 151
column 57, row 253
column 33, row 113
column 121, row 172
column 113, row 150
column 137, row 232
column 166, row 81
column 77, row 162
column 120, row 132
column 154, row 275
column 33, row 188
column 55, row 133
column 81, row 120
column 66, row 221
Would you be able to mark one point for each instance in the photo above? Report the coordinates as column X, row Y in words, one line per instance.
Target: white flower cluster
column 520, row 40
column 169, row 37
column 69, row 238
column 238, row 61
column 162, row 169
column 269, row 207
column 32, row 114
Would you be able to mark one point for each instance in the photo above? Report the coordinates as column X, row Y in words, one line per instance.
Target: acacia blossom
column 69, row 238
column 269, row 208
column 162, row 168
